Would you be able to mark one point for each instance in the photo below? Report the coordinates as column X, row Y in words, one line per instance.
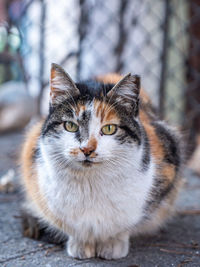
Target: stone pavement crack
column 24, row 254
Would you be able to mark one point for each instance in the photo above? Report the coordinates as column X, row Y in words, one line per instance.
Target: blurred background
column 159, row 40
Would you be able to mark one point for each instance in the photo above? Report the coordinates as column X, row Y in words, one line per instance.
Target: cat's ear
column 126, row 92
column 61, row 84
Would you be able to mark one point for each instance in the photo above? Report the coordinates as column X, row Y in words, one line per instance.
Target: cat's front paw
column 80, row 250
column 113, row 248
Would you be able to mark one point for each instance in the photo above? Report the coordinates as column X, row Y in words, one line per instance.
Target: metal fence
column 160, row 40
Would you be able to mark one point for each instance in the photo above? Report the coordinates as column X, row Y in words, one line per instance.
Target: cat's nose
column 87, row 151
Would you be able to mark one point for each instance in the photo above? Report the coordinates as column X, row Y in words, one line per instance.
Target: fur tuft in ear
column 126, row 92
column 61, row 84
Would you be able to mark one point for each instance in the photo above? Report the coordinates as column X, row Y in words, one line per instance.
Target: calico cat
column 101, row 167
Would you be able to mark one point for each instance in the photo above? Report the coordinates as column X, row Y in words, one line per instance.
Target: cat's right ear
column 61, row 85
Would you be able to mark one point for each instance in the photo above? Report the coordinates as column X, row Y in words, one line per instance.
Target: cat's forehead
column 103, row 111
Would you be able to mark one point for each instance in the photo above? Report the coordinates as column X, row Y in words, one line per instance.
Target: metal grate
column 160, row 40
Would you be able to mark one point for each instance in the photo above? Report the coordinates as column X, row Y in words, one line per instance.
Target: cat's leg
column 79, row 249
column 30, row 225
column 33, row 228
column 114, row 248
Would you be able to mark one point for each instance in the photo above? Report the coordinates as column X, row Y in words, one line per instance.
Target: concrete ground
column 177, row 245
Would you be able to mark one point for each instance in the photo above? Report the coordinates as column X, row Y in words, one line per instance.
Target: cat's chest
column 108, row 200
column 86, row 193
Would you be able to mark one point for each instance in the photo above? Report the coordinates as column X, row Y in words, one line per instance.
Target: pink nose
column 87, row 151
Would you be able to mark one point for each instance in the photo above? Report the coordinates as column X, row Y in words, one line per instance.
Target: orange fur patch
column 99, row 107
column 30, row 177
column 106, row 113
column 144, row 117
column 93, row 155
column 74, row 151
column 168, row 171
column 79, row 109
column 91, row 146
column 115, row 78
column 156, row 145
column 92, row 143
column 52, row 91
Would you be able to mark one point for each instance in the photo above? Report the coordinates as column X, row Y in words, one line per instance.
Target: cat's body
column 100, row 188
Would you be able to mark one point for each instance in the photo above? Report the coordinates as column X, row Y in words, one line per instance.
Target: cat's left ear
column 126, row 92
column 61, row 85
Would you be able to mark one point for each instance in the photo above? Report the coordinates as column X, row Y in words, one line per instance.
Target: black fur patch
column 85, row 117
column 170, row 143
column 160, row 190
column 128, row 132
column 84, row 124
column 93, row 89
column 32, row 227
column 146, row 153
column 49, row 128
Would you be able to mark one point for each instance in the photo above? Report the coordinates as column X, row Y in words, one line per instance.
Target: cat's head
column 91, row 123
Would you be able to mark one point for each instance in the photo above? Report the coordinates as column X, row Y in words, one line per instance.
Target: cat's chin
column 88, row 163
column 82, row 166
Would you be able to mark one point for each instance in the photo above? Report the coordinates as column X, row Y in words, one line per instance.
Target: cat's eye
column 109, row 129
column 71, row 126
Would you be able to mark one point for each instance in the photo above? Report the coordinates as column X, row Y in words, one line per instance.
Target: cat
column 101, row 167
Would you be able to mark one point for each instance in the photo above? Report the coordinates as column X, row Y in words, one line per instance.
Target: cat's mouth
column 88, row 163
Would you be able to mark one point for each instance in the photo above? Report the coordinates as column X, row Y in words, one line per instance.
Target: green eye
column 71, row 126
column 109, row 129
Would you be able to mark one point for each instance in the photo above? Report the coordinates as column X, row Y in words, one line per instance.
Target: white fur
column 98, row 202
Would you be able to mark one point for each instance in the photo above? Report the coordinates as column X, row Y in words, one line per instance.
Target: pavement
column 177, row 245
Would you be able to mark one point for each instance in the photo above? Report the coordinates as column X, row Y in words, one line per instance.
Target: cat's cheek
column 106, row 146
column 68, row 141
